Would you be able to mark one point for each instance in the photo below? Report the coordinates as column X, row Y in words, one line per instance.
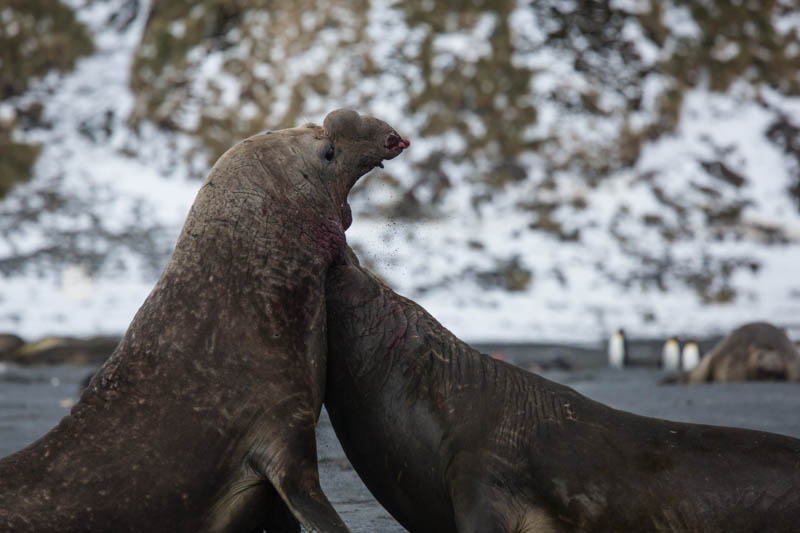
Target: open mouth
column 395, row 144
column 395, row 141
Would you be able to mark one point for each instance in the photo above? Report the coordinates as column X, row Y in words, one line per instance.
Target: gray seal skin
column 448, row 439
column 754, row 351
column 203, row 418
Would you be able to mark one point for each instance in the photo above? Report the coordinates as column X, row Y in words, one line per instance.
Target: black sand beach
column 33, row 399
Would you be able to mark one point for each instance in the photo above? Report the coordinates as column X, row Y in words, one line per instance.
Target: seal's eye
column 330, row 152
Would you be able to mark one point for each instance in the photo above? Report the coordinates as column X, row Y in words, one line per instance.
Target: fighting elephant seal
column 754, row 351
column 204, row 416
column 448, row 439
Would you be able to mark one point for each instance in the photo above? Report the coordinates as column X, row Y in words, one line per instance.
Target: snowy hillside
column 574, row 168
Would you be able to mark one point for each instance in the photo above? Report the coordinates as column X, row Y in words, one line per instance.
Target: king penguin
column 618, row 350
column 690, row 356
column 671, row 355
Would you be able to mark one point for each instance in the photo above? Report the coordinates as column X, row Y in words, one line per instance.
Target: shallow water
column 32, row 400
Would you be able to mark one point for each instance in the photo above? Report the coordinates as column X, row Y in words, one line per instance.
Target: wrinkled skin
column 448, row 439
column 755, row 351
column 203, row 418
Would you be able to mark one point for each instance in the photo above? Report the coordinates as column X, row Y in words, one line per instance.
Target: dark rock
column 65, row 350
column 557, row 363
column 9, row 343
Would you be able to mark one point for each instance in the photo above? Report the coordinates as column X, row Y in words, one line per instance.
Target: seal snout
column 394, row 145
column 394, row 141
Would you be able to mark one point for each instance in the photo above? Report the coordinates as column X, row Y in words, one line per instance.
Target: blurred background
column 576, row 166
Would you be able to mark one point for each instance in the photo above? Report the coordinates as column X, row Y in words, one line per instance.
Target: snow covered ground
column 141, row 179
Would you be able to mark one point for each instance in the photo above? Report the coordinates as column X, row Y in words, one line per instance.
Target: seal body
column 448, row 439
column 754, row 351
column 203, row 418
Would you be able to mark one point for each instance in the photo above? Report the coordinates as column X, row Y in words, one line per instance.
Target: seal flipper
column 289, row 463
column 277, row 487
column 279, row 518
column 252, row 504
column 473, row 509
column 298, row 484
column 480, row 507
column 312, row 507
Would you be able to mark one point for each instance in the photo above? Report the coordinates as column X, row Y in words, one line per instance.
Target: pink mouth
column 395, row 141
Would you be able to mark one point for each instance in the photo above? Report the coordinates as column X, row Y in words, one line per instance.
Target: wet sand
column 32, row 400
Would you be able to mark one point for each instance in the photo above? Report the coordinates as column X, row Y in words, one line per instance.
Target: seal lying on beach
column 204, row 416
column 448, row 439
column 755, row 351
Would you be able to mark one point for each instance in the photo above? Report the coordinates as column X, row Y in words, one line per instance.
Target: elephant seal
column 203, row 418
column 448, row 439
column 754, row 351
